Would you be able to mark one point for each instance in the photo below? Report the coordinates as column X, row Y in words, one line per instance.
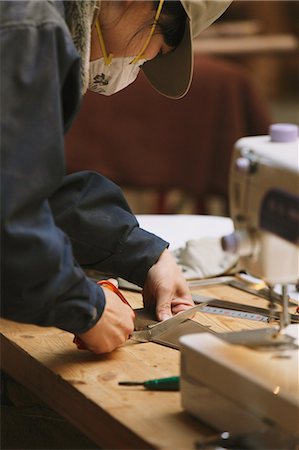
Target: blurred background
column 266, row 43
column 173, row 156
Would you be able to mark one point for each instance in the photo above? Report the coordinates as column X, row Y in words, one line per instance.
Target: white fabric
column 194, row 241
column 177, row 229
column 202, row 258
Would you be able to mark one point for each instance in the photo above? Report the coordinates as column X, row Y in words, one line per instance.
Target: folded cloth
column 202, row 258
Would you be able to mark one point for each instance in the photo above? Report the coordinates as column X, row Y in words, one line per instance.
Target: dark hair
column 172, row 22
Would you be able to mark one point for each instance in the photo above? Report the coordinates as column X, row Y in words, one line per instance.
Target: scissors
column 153, row 332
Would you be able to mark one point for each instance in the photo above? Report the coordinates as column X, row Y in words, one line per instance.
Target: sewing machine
column 246, row 384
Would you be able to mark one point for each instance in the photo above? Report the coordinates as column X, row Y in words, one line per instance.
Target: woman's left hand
column 166, row 288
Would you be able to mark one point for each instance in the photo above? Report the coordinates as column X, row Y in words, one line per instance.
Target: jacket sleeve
column 41, row 281
column 105, row 234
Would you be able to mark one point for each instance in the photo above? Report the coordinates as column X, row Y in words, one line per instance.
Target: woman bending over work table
column 53, row 224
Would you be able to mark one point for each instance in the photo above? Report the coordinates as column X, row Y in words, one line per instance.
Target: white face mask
column 109, row 79
column 108, row 75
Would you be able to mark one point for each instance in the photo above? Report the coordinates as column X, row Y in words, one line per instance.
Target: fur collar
column 80, row 16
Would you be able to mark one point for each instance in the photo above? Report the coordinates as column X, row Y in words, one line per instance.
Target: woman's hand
column 166, row 288
column 112, row 329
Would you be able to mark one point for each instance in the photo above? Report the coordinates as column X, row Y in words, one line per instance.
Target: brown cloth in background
column 141, row 139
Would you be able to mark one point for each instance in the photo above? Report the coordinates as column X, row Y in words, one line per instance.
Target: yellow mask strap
column 141, row 53
column 107, row 59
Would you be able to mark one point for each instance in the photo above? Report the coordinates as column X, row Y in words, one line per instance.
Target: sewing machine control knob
column 241, row 242
column 246, row 164
column 243, row 165
column 229, row 243
column 283, row 132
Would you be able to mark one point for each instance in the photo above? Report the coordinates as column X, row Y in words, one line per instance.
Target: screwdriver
column 158, row 384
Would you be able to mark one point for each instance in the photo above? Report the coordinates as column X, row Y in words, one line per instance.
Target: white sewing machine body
column 264, row 204
column 226, row 381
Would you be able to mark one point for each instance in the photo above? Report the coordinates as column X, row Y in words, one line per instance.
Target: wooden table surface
column 83, row 387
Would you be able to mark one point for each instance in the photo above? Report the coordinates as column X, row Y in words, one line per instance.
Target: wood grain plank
column 84, row 387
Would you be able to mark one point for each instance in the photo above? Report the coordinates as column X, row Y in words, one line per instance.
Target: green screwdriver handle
column 163, row 384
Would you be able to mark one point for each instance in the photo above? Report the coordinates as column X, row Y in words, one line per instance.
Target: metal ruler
column 238, row 310
column 234, row 313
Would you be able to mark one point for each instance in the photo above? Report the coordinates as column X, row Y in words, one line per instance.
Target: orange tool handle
column 107, row 284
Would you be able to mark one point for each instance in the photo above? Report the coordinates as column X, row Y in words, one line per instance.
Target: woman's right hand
column 114, row 327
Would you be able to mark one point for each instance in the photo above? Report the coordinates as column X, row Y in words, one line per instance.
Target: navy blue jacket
column 53, row 224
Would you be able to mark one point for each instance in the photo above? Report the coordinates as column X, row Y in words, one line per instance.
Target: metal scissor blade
column 153, row 331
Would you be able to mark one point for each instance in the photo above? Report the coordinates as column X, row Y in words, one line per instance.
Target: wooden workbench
column 84, row 388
